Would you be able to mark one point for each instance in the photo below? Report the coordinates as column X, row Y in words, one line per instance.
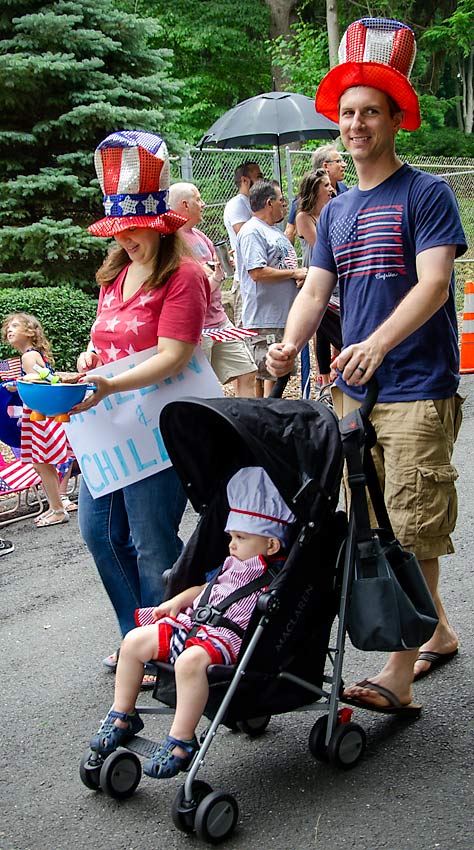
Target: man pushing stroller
column 259, row 524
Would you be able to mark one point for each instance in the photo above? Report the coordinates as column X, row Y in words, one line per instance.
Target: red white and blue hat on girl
column 375, row 52
column 134, row 173
column 256, row 506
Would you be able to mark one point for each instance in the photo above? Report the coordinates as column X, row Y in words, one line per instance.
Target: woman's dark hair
column 309, row 189
column 172, row 250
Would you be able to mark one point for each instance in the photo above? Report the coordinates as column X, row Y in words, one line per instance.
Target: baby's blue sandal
column 164, row 765
column 110, row 736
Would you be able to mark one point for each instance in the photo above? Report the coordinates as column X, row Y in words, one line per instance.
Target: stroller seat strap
column 212, row 615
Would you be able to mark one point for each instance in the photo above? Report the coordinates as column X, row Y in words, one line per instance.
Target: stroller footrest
column 142, row 746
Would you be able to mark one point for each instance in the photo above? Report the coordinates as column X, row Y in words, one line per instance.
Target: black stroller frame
column 302, row 447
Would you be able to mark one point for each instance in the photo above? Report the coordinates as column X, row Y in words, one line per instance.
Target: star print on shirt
column 108, row 298
column 133, row 325
column 145, row 298
column 130, row 349
column 113, row 352
column 111, row 324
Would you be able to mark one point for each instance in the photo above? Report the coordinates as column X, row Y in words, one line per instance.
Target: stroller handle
column 366, row 406
column 371, row 397
column 279, row 386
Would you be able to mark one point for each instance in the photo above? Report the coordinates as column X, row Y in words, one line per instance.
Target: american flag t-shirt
column 369, row 243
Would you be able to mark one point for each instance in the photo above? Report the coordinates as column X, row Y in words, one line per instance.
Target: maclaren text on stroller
column 281, row 664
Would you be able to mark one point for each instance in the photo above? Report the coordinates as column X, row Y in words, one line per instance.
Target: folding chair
column 17, row 478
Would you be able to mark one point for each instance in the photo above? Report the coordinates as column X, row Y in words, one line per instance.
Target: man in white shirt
column 236, row 212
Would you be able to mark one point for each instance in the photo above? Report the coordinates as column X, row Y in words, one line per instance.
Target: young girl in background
column 44, row 444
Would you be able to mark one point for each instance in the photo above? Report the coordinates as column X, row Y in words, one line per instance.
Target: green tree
column 218, row 54
column 454, row 36
column 71, row 71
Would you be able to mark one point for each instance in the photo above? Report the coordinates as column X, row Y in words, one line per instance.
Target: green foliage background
column 72, row 71
column 66, row 314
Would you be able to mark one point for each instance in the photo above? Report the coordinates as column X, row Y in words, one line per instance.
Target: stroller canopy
column 296, row 442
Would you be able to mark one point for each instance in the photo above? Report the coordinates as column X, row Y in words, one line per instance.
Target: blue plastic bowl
column 52, row 399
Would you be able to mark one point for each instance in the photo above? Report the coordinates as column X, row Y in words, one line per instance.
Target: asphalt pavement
column 411, row 791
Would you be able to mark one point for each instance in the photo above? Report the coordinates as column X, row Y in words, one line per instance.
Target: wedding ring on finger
column 361, row 369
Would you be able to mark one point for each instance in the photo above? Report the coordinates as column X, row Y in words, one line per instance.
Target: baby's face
column 244, row 546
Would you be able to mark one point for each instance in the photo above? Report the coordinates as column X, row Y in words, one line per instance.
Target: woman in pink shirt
column 153, row 294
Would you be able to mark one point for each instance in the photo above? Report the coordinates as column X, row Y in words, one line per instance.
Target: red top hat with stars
column 375, row 52
column 134, row 173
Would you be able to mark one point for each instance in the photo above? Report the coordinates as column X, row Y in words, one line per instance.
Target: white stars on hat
column 150, row 204
column 108, row 204
column 129, row 206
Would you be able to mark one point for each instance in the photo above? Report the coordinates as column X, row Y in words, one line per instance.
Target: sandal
column 52, row 517
column 110, row 736
column 164, row 765
column 111, row 661
column 68, row 506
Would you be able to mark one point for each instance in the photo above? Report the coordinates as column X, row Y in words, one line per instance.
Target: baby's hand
column 166, row 609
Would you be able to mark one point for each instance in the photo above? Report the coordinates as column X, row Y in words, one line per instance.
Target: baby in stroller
column 259, row 524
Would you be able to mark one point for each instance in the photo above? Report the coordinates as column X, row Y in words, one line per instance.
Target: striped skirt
column 43, row 442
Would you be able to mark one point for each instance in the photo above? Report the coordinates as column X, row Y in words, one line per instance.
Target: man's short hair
column 244, row 170
column 179, row 192
column 261, row 192
column 322, row 155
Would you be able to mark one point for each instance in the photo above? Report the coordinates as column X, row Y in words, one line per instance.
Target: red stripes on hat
column 260, row 516
column 402, row 51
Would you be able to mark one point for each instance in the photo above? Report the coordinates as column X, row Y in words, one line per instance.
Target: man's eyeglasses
column 340, row 161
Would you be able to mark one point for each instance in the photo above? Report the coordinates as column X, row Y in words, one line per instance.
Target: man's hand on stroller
column 358, row 362
column 281, row 358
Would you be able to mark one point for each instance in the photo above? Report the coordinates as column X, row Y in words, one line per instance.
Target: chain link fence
column 212, row 171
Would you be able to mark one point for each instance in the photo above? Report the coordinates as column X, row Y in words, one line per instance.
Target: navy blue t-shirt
column 370, row 240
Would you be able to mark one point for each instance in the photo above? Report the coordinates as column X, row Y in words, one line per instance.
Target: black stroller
column 299, row 445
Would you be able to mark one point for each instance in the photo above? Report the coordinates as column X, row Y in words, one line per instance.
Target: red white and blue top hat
column 256, row 506
column 134, row 173
column 375, row 52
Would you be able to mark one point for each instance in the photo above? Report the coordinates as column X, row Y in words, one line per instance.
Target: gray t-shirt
column 265, row 305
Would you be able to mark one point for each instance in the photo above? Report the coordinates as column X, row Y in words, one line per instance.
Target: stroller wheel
column 347, row 745
column 120, row 774
column 317, row 739
column 216, row 817
column 255, row 726
column 89, row 771
column 183, row 813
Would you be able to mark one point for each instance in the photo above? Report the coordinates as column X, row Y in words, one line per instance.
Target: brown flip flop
column 435, row 659
column 396, row 707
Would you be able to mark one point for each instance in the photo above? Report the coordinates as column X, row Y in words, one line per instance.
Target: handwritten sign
column 119, row 442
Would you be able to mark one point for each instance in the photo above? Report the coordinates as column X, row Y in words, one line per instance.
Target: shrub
column 66, row 314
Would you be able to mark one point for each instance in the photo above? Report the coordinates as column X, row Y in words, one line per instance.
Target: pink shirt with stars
column 175, row 310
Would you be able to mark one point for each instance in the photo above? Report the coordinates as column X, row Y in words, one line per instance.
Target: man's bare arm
column 267, row 274
column 303, row 320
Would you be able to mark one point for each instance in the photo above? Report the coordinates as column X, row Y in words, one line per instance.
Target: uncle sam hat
column 256, row 506
column 375, row 52
column 134, row 173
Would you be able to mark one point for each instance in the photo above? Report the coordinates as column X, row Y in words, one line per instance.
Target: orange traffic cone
column 467, row 335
